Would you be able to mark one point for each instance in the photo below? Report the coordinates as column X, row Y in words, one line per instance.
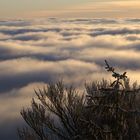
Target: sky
column 71, row 8
column 36, row 49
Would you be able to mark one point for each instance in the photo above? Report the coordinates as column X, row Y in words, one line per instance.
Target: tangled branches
column 108, row 111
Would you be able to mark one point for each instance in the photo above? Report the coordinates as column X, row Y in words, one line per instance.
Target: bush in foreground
column 107, row 111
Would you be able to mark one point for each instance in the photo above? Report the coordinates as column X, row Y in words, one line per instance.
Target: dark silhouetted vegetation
column 106, row 111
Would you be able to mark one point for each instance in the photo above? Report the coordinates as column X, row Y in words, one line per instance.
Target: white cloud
column 46, row 50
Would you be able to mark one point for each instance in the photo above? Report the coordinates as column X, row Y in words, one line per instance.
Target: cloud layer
column 34, row 52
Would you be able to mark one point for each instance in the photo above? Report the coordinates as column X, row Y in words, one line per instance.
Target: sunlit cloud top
column 63, row 8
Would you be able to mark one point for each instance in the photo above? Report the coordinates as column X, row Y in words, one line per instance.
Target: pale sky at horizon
column 71, row 8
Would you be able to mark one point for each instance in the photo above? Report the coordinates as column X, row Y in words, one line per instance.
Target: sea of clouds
column 39, row 51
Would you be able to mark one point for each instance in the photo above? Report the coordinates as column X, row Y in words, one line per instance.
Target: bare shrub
column 107, row 111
